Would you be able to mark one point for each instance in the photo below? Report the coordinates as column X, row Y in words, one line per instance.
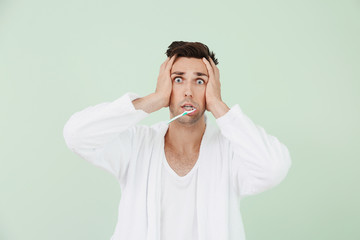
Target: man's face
column 189, row 78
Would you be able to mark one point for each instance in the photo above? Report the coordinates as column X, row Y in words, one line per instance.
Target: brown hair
column 190, row 49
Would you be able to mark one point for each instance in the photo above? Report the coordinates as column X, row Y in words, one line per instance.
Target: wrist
column 149, row 103
column 162, row 99
column 218, row 108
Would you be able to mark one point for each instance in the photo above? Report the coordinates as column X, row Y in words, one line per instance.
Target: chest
column 181, row 163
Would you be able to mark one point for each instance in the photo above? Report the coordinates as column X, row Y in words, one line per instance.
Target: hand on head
column 213, row 91
column 164, row 83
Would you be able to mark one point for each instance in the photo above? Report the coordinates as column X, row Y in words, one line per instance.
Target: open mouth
column 188, row 107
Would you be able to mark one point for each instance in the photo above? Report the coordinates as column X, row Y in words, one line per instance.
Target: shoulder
column 159, row 127
column 212, row 133
column 149, row 132
column 215, row 136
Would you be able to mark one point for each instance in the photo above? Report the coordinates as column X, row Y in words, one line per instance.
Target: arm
column 150, row 103
column 104, row 134
column 105, row 126
column 259, row 161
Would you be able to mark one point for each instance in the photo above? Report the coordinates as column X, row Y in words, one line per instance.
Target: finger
column 216, row 69
column 170, row 62
column 163, row 65
column 209, row 68
column 213, row 65
column 212, row 62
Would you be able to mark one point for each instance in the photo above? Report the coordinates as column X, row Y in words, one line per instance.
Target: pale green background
column 292, row 66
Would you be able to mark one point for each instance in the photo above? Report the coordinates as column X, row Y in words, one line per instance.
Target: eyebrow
column 195, row 73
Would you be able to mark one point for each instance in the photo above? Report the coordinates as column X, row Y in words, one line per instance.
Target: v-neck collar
column 154, row 178
column 164, row 129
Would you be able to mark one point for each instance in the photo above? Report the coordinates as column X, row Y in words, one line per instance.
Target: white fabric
column 237, row 159
column 178, row 204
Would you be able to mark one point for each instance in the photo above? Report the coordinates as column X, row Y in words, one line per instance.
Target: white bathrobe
column 236, row 159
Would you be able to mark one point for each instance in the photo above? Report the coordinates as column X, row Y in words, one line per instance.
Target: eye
column 176, row 80
column 200, row 81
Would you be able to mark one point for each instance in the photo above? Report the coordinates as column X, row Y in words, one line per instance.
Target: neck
column 185, row 138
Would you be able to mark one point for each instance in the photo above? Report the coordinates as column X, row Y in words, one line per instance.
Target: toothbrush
column 183, row 114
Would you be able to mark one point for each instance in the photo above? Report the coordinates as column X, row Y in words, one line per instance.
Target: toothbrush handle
column 177, row 117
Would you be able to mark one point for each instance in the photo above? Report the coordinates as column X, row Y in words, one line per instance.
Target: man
column 181, row 180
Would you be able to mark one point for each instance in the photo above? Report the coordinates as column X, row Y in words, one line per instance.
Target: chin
column 191, row 119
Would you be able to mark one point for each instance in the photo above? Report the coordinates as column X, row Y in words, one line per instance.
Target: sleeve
column 258, row 160
column 103, row 134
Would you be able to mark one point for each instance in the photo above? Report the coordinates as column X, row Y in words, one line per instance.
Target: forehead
column 186, row 64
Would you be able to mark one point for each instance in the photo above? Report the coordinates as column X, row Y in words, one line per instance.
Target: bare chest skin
column 180, row 163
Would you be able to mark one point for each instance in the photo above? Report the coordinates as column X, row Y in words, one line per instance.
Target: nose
column 188, row 94
column 188, row 90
